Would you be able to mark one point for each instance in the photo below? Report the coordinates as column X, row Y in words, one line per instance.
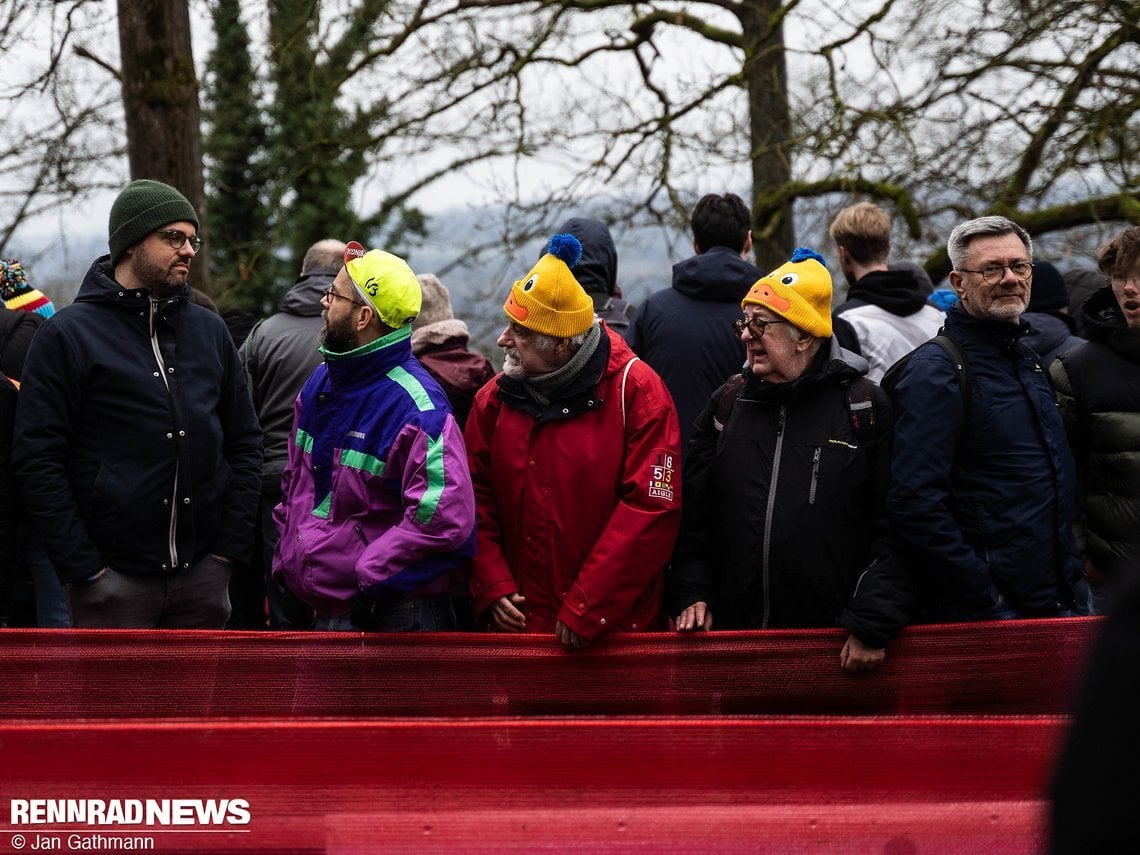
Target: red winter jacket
column 577, row 511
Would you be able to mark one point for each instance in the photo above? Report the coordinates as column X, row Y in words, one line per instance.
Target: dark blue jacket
column 127, row 459
column 983, row 494
column 685, row 332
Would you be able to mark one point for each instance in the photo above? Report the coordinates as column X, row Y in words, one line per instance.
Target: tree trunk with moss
column 765, row 76
column 160, row 100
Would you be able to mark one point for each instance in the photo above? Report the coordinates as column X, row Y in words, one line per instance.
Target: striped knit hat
column 18, row 295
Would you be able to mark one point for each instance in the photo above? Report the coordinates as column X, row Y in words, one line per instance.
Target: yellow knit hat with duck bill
column 550, row 300
column 389, row 286
column 798, row 291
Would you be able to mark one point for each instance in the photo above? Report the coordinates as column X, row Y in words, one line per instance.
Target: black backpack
column 894, row 373
column 860, row 406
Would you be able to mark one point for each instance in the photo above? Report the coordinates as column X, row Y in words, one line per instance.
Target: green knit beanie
column 143, row 207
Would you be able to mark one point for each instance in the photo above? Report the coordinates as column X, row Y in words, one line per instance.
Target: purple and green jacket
column 376, row 495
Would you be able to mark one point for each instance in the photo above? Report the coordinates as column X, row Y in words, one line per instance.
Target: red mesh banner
column 895, row 785
column 352, row 743
column 1012, row 667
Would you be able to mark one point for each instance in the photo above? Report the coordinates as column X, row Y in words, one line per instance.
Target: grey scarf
column 543, row 387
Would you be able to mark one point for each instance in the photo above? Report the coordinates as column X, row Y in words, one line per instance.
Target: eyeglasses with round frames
column 1119, row 281
column 756, row 326
column 177, row 239
column 993, row 273
column 330, row 293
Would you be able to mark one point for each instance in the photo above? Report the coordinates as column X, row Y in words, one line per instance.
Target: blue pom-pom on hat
column 803, row 253
column 566, row 248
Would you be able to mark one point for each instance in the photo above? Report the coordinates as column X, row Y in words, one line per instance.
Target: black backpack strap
column 955, row 353
column 727, row 400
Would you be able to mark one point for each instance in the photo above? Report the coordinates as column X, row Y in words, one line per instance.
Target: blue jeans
column 51, row 596
column 425, row 614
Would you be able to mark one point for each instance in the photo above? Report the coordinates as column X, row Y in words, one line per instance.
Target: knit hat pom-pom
column 803, row 253
column 566, row 248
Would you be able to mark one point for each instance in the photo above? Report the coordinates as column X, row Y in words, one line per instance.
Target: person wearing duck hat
column 376, row 509
column 784, row 494
column 575, row 456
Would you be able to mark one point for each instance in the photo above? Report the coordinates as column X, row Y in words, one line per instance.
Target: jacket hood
column 100, row 286
column 717, row 276
column 1101, row 315
column 831, row 365
column 596, row 271
column 449, row 332
column 896, row 291
column 304, row 298
column 1105, row 323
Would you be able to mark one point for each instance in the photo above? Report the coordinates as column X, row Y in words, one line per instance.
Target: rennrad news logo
column 137, row 812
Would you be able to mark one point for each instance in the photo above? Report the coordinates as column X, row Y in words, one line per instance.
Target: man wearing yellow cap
column 575, row 458
column 785, row 481
column 376, row 509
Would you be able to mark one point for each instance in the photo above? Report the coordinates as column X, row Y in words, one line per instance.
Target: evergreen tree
column 247, row 272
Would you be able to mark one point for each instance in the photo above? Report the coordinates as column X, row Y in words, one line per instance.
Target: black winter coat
column 136, row 441
column 279, row 355
column 784, row 506
column 685, row 332
column 983, row 494
column 1098, row 390
column 16, row 331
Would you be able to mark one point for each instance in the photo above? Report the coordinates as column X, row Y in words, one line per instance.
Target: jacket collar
column 100, row 286
column 999, row 333
column 575, row 398
column 365, row 364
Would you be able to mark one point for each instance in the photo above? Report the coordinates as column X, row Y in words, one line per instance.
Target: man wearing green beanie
column 138, row 450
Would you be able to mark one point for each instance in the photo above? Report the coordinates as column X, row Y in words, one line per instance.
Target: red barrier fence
column 610, row 784
column 727, row 742
column 1012, row 667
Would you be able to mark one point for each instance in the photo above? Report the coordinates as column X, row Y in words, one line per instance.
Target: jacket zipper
column 814, row 475
column 172, row 533
column 769, row 514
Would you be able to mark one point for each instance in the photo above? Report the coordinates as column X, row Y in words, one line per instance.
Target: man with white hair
column 575, row 456
column 982, row 479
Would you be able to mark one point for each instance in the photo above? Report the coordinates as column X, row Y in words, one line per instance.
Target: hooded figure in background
column 439, row 342
column 596, row 272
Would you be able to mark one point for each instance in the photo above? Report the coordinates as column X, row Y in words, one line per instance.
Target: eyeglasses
column 1119, row 281
column 330, row 293
column 993, row 273
column 757, row 326
column 177, row 239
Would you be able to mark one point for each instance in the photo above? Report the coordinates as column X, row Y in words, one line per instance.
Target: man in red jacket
column 575, row 454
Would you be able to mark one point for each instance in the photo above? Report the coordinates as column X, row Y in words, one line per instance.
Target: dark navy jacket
column 685, row 332
column 983, row 494
column 136, row 441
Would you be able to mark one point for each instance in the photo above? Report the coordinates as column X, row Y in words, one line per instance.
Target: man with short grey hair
column 982, row 479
